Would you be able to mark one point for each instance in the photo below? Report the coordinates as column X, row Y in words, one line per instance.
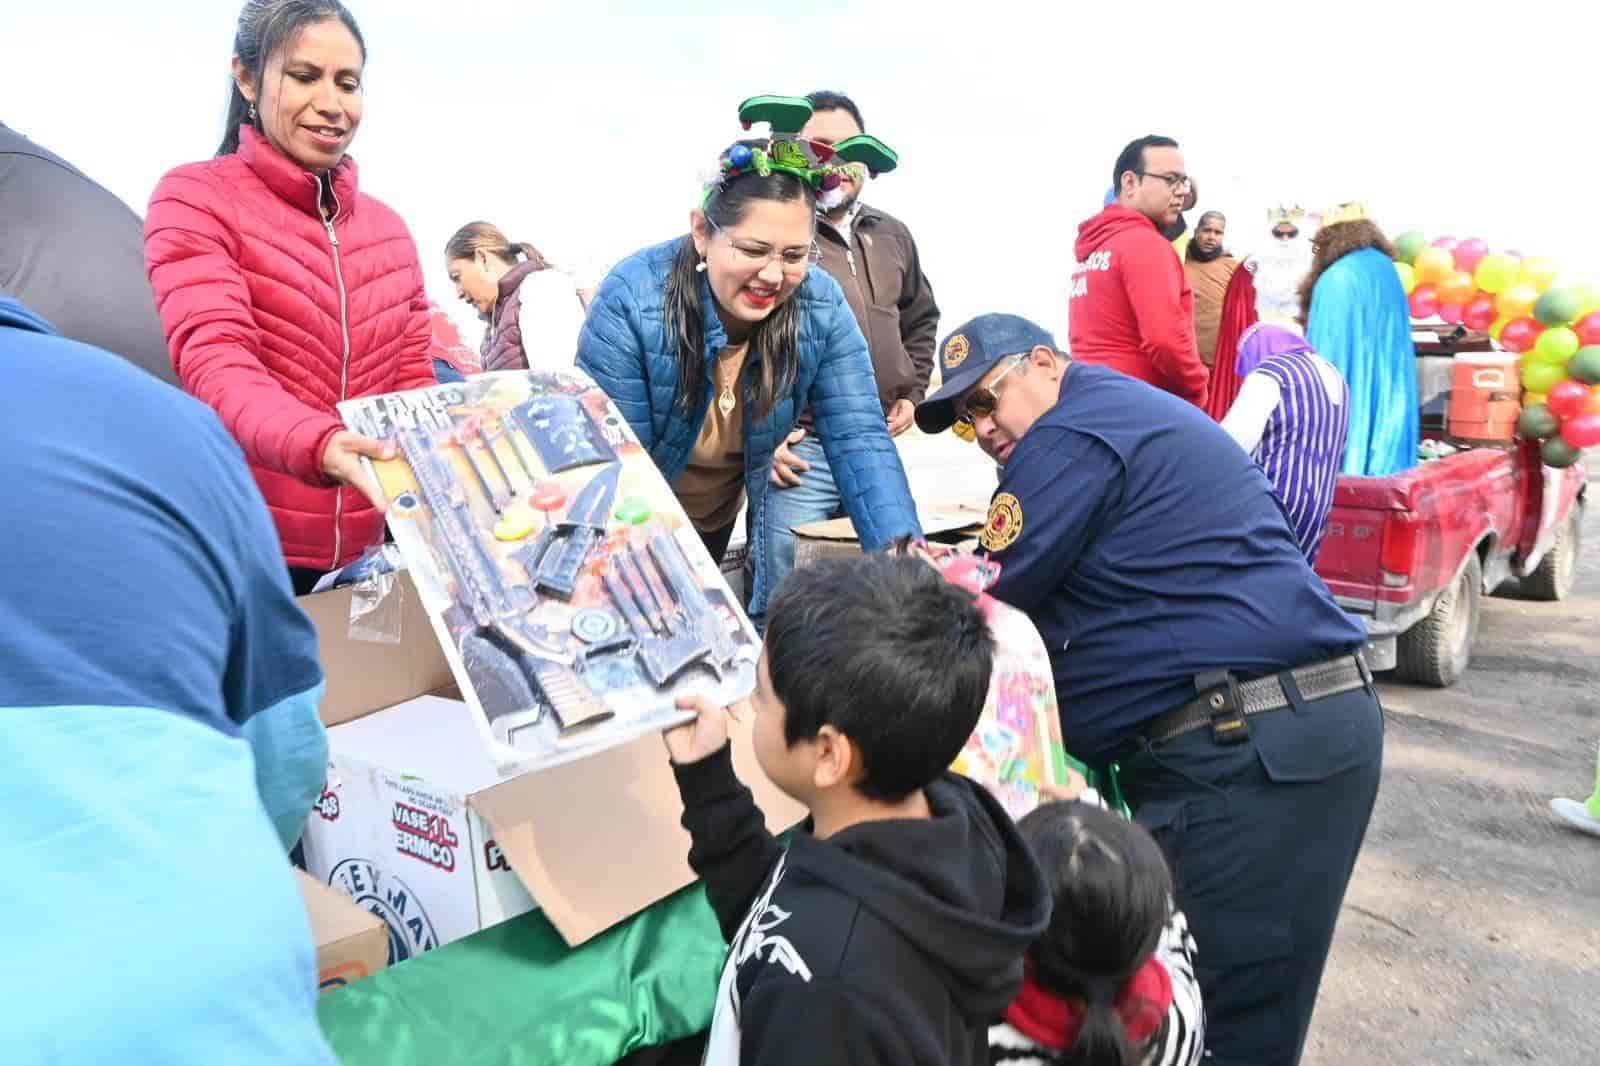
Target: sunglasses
column 981, row 401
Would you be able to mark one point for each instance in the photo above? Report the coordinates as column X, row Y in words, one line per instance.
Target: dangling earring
column 700, row 267
column 252, row 112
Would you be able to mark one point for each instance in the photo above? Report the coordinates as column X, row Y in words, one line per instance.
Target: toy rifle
column 497, row 611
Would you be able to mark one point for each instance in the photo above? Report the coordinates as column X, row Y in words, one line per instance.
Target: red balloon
column 1424, row 301
column 1447, row 243
column 1581, row 431
column 1588, row 328
column 1469, row 253
column 1519, row 334
column 1480, row 313
column 1567, row 399
column 1454, row 314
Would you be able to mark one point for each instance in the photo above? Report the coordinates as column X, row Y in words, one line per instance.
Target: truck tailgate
column 1422, row 512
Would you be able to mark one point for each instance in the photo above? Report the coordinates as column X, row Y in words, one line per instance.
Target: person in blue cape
column 1357, row 318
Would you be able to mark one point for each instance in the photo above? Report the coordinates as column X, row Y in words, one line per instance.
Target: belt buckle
column 1364, row 670
column 1224, row 705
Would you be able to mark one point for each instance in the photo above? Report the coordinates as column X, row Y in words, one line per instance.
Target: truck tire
column 1558, row 570
column 1437, row 649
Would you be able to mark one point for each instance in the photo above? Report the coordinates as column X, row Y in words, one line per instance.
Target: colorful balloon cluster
column 1556, row 330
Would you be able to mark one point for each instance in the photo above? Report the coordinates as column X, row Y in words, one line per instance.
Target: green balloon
column 1407, row 245
column 1558, row 453
column 1542, row 377
column 1556, row 345
column 1585, row 366
column 1558, row 307
column 1538, row 422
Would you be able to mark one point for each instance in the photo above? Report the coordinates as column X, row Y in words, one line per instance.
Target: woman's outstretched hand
column 341, row 460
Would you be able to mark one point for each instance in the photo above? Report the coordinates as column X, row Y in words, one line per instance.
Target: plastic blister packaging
column 377, row 597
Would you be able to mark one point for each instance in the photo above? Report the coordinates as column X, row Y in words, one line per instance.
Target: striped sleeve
column 1183, row 1036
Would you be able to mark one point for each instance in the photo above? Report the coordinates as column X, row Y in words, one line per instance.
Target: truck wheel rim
column 1567, row 561
column 1461, row 619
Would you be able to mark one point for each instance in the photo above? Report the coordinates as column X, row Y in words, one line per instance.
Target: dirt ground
column 1471, row 932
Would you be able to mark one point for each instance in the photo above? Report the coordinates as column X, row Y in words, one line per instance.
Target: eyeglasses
column 1175, row 182
column 1286, row 235
column 981, row 401
column 757, row 255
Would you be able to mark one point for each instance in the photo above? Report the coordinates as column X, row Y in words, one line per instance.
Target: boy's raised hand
column 704, row 736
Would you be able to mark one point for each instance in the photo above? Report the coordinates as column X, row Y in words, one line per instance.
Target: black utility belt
column 1225, row 703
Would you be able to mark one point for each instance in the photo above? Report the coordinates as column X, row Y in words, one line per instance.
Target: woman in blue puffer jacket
column 713, row 343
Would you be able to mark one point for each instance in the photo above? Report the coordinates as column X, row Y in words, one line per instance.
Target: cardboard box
column 367, row 675
column 419, row 826
column 351, row 943
column 949, row 524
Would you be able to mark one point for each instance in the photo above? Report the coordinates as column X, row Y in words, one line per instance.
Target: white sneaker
column 1576, row 815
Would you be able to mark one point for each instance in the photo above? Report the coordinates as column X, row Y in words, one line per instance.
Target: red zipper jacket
column 1131, row 307
column 273, row 316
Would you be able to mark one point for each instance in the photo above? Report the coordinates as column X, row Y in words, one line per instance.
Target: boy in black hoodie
column 892, row 928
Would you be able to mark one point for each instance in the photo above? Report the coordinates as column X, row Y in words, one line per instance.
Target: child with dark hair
column 892, row 928
column 1111, row 982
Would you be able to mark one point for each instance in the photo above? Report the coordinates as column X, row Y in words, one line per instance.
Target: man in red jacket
column 1131, row 307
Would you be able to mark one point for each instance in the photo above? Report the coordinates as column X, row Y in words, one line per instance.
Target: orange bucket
column 1484, row 397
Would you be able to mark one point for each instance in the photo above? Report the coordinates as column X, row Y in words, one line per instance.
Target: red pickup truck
column 1414, row 552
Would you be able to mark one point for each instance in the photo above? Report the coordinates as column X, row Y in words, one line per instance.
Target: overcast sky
column 585, row 128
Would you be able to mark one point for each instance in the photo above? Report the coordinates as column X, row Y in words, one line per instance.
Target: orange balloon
column 1593, row 406
column 1434, row 265
column 1531, row 398
column 1458, row 289
column 1517, row 301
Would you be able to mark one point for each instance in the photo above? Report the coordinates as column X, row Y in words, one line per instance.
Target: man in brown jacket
column 1209, row 269
column 873, row 258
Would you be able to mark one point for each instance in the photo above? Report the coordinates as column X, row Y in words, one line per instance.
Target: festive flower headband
column 817, row 164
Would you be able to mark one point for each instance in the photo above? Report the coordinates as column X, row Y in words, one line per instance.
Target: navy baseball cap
column 968, row 353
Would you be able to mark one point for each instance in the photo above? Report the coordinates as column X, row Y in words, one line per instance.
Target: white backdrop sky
column 585, row 128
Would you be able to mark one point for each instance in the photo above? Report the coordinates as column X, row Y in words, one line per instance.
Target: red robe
column 1238, row 315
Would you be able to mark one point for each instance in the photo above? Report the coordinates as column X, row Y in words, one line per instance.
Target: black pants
column 304, row 579
column 716, row 541
column 1262, row 837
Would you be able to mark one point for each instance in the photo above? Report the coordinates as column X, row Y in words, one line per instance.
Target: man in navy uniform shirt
column 1195, row 654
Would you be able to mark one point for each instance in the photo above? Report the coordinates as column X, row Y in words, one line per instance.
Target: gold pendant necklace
column 725, row 399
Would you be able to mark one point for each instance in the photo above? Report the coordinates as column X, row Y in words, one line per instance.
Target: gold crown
column 1353, row 211
column 1292, row 215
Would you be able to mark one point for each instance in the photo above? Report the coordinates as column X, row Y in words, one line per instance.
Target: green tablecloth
column 515, row 993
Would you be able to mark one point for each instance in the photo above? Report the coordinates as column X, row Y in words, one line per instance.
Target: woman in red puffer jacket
column 284, row 289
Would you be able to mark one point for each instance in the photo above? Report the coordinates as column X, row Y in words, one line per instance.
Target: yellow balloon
column 1539, row 273
column 1499, row 324
column 1433, row 265
column 1531, row 398
column 1517, row 301
column 1408, row 276
column 1588, row 298
column 1496, row 273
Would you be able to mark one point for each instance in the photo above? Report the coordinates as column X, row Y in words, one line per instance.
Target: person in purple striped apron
column 1293, row 416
